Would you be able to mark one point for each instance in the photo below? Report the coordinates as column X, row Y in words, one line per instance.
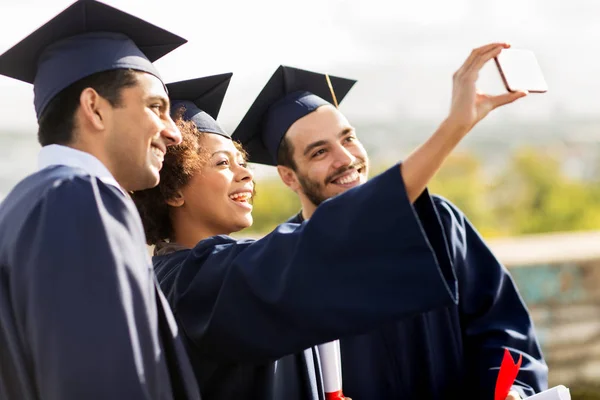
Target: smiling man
column 317, row 176
column 449, row 352
column 80, row 314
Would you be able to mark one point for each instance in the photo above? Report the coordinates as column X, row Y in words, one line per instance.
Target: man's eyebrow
column 164, row 101
column 311, row 146
column 345, row 132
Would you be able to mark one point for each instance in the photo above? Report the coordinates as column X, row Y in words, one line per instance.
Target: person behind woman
column 243, row 304
column 208, row 187
column 189, row 207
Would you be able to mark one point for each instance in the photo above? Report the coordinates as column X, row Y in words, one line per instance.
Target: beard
column 312, row 189
column 315, row 190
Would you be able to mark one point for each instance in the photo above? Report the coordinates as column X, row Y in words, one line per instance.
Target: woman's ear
column 177, row 200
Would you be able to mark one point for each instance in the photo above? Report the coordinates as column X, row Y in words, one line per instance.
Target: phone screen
column 520, row 71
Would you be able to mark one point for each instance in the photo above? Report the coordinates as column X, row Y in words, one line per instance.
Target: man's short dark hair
column 285, row 154
column 57, row 122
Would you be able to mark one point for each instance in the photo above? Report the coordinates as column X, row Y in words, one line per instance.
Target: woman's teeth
column 244, row 196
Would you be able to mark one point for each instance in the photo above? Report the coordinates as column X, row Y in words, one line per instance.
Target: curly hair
column 181, row 163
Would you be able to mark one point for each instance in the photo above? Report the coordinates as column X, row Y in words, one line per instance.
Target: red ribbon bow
column 335, row 395
column 507, row 375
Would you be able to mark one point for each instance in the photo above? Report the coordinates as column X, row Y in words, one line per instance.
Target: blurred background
column 528, row 176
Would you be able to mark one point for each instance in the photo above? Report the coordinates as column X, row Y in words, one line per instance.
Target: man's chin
column 147, row 181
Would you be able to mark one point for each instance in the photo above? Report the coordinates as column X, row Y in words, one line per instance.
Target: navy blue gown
column 243, row 305
column 453, row 351
column 81, row 316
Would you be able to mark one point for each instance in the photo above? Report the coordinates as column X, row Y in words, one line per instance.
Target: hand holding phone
column 520, row 70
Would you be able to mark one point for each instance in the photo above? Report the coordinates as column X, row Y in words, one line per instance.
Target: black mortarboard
column 290, row 94
column 202, row 99
column 86, row 38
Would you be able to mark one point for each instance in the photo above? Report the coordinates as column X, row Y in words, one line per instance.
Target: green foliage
column 529, row 194
column 461, row 180
column 274, row 203
column 533, row 195
column 585, row 391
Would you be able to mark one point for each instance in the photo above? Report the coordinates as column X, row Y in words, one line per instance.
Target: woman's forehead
column 219, row 144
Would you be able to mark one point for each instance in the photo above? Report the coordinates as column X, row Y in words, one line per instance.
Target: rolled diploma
column 559, row 392
column 331, row 365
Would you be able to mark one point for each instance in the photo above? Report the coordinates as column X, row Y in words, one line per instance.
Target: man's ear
column 93, row 109
column 177, row 200
column 288, row 176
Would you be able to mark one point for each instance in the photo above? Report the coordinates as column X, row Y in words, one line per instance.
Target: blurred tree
column 531, row 194
column 274, row 203
column 461, row 180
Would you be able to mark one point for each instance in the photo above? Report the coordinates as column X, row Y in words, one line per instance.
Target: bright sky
column 245, row 37
column 402, row 52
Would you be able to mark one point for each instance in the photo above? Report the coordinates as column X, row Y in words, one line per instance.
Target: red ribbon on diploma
column 335, row 395
column 507, row 375
column 331, row 366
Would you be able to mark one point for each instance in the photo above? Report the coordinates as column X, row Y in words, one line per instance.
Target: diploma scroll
column 508, row 373
column 331, row 365
column 559, row 392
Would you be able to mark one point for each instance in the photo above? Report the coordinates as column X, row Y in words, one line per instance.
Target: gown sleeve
column 493, row 314
column 81, row 296
column 362, row 259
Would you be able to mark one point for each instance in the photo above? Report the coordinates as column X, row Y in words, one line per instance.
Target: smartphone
column 520, row 70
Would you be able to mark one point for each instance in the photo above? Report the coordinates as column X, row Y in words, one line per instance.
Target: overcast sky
column 402, row 52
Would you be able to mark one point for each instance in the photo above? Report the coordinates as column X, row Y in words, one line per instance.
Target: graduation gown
column 244, row 304
column 80, row 313
column 453, row 351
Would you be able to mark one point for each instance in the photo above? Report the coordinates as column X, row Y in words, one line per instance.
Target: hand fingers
column 512, row 395
column 506, row 98
column 490, row 46
column 471, row 73
column 484, row 58
column 476, row 53
column 482, row 50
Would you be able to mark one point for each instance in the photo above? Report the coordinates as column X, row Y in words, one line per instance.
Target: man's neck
column 308, row 209
column 305, row 215
column 73, row 156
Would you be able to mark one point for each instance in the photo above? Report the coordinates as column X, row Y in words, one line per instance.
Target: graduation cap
column 86, row 38
column 201, row 99
column 290, row 94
